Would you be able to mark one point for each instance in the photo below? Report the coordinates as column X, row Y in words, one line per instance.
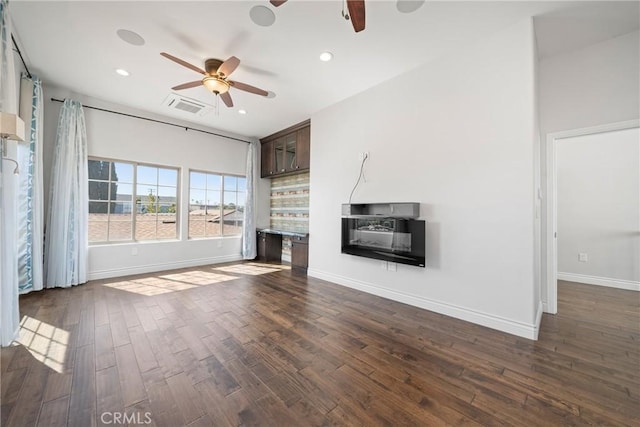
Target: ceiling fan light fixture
column 215, row 85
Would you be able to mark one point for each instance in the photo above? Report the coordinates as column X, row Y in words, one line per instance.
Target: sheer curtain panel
column 249, row 250
column 9, row 311
column 30, row 194
column 66, row 239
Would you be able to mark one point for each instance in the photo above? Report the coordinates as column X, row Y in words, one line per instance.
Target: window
column 113, row 188
column 216, row 204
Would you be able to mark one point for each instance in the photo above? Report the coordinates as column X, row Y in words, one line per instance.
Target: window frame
column 134, row 203
column 221, row 201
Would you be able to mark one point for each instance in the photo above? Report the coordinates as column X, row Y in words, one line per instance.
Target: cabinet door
column 267, row 159
column 290, row 152
column 280, row 149
column 303, row 148
column 299, row 253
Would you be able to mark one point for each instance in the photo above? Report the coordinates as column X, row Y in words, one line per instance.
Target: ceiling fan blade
column 248, row 88
column 226, row 98
column 183, row 63
column 277, row 3
column 187, row 85
column 228, row 67
column 356, row 13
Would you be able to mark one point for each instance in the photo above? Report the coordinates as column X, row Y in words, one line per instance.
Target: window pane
column 147, row 175
column 213, row 199
column 196, row 226
column 122, row 172
column 120, row 211
column 197, row 199
column 212, row 228
column 98, row 208
column 147, row 197
column 230, row 183
column 167, row 177
column 242, row 184
column 230, row 200
column 121, row 192
column 197, row 180
column 98, row 169
column 214, row 182
column 232, row 226
column 120, row 229
column 97, row 231
column 98, row 190
column 167, row 192
column 146, row 226
column 166, row 228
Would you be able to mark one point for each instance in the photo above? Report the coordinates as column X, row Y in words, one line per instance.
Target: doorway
column 622, row 234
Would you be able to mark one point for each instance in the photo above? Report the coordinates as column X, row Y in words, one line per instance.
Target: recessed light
column 122, row 72
column 130, row 37
column 262, row 15
column 326, row 56
column 242, row 111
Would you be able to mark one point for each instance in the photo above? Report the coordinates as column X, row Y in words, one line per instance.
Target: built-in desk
column 270, row 247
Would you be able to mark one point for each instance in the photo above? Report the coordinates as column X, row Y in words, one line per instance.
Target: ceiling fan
column 356, row 12
column 216, row 73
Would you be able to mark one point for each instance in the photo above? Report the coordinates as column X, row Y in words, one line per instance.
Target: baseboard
column 629, row 285
column 514, row 327
column 152, row 268
column 541, row 306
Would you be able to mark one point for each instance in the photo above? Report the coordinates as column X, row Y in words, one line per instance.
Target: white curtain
column 249, row 249
column 30, row 194
column 66, row 243
column 9, row 311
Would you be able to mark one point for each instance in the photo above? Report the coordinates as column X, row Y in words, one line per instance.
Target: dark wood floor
column 248, row 344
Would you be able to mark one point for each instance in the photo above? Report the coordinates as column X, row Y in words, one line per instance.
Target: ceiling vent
column 188, row 105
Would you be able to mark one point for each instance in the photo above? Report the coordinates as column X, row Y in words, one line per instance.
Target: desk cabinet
column 300, row 253
column 269, row 247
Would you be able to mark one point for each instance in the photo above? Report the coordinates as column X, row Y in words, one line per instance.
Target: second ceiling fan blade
column 228, row 67
column 248, row 88
column 277, row 3
column 187, row 85
column 226, row 98
column 183, row 63
column 357, row 14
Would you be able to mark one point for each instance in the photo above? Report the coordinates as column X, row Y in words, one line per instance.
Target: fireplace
column 382, row 235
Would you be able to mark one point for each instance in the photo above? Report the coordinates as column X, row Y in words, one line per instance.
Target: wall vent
column 188, row 105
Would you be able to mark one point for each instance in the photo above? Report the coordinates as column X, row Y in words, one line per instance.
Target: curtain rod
column 20, row 53
column 157, row 121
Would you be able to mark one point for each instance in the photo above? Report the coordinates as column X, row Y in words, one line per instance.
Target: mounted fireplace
column 384, row 231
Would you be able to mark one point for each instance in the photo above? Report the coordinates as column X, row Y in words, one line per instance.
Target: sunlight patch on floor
column 157, row 285
column 253, row 268
column 46, row 343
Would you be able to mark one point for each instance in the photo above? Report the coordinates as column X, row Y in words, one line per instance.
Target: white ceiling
column 74, row 45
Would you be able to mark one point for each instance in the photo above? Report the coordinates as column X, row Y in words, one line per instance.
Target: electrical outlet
column 583, row 257
column 134, row 251
column 219, row 243
column 392, row 266
column 383, row 265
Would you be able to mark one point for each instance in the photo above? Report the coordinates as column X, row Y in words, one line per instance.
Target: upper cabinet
column 286, row 152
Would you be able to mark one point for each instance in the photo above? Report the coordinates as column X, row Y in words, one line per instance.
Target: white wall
column 599, row 207
column 588, row 87
column 123, row 138
column 456, row 135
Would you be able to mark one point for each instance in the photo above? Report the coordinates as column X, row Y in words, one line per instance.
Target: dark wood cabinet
column 300, row 253
column 286, row 152
column 267, row 160
column 269, row 246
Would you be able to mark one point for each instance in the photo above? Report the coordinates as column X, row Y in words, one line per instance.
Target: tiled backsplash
column 290, row 206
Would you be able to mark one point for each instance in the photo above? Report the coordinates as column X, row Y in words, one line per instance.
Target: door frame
column 552, row 199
